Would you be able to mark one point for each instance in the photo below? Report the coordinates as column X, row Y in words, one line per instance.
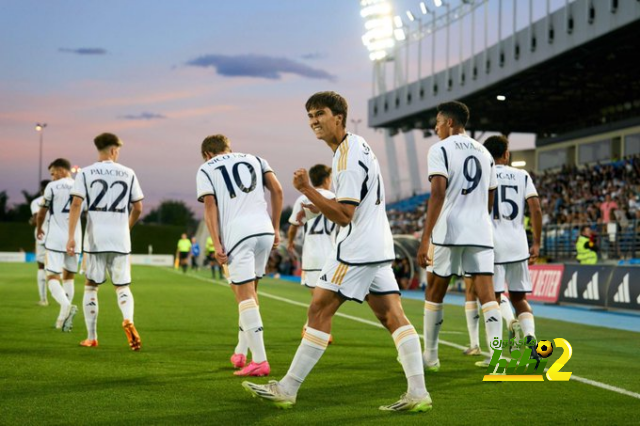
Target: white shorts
column 117, row 265
column 41, row 253
column 310, row 278
column 355, row 282
column 57, row 261
column 449, row 261
column 512, row 276
column 249, row 258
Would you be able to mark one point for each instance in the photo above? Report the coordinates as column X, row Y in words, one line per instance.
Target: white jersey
column 470, row 172
column 108, row 189
column 509, row 236
column 57, row 199
column 237, row 182
column 35, row 208
column 357, row 180
column 319, row 234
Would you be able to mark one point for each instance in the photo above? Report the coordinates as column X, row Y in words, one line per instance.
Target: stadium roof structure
column 584, row 74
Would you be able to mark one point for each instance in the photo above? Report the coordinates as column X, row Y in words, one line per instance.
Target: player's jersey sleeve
column 349, row 186
column 438, row 162
column 204, row 184
column 136, row 191
column 266, row 168
column 295, row 210
column 493, row 177
column 35, row 206
column 48, row 196
column 79, row 188
column 529, row 187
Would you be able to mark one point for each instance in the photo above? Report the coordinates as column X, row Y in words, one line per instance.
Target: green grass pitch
column 182, row 375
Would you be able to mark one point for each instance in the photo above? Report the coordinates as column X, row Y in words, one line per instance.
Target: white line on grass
column 444, row 342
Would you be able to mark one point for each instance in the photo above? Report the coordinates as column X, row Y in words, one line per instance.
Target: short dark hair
column 497, row 145
column 455, row 110
column 43, row 185
column 332, row 100
column 61, row 163
column 215, row 144
column 105, row 140
column 319, row 173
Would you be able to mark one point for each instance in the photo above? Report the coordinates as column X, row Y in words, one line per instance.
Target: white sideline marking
column 444, row 342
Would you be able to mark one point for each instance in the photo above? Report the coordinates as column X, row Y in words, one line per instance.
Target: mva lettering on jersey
column 110, row 172
column 467, row 145
column 224, row 157
column 507, row 176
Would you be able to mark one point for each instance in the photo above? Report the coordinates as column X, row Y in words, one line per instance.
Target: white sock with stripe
column 408, row 344
column 125, row 302
column 58, row 294
column 42, row 285
column 69, row 289
column 473, row 322
column 251, row 323
column 313, row 345
column 90, row 309
column 243, row 345
column 433, row 318
column 527, row 324
column 492, row 323
column 506, row 310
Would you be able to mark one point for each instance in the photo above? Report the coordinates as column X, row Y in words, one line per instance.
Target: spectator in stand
column 606, row 208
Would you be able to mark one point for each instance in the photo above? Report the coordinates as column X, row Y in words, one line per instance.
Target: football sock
column 251, row 323
column 42, row 285
column 90, row 308
column 473, row 322
column 527, row 324
column 433, row 319
column 58, row 293
column 313, row 345
column 505, row 310
column 408, row 344
column 125, row 302
column 69, row 289
column 242, row 346
column 492, row 323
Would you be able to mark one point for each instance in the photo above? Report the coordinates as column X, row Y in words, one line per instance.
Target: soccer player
column 59, row 265
column 319, row 232
column 458, row 225
column 512, row 252
column 195, row 252
column 360, row 266
column 40, row 250
column 231, row 186
column 114, row 197
column 211, row 259
column 183, row 251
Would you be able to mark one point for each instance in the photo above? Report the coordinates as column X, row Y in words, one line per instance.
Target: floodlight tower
column 379, row 40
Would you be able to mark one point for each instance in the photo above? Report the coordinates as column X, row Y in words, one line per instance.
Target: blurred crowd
column 598, row 194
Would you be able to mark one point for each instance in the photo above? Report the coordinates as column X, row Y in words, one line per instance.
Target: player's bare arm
column 338, row 213
column 136, row 211
column 40, row 216
column 436, row 201
column 291, row 236
column 492, row 194
column 536, row 226
column 211, row 219
column 74, row 216
column 275, row 190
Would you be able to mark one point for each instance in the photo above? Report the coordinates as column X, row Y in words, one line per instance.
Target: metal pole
column 420, row 49
column 40, row 161
column 447, row 44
